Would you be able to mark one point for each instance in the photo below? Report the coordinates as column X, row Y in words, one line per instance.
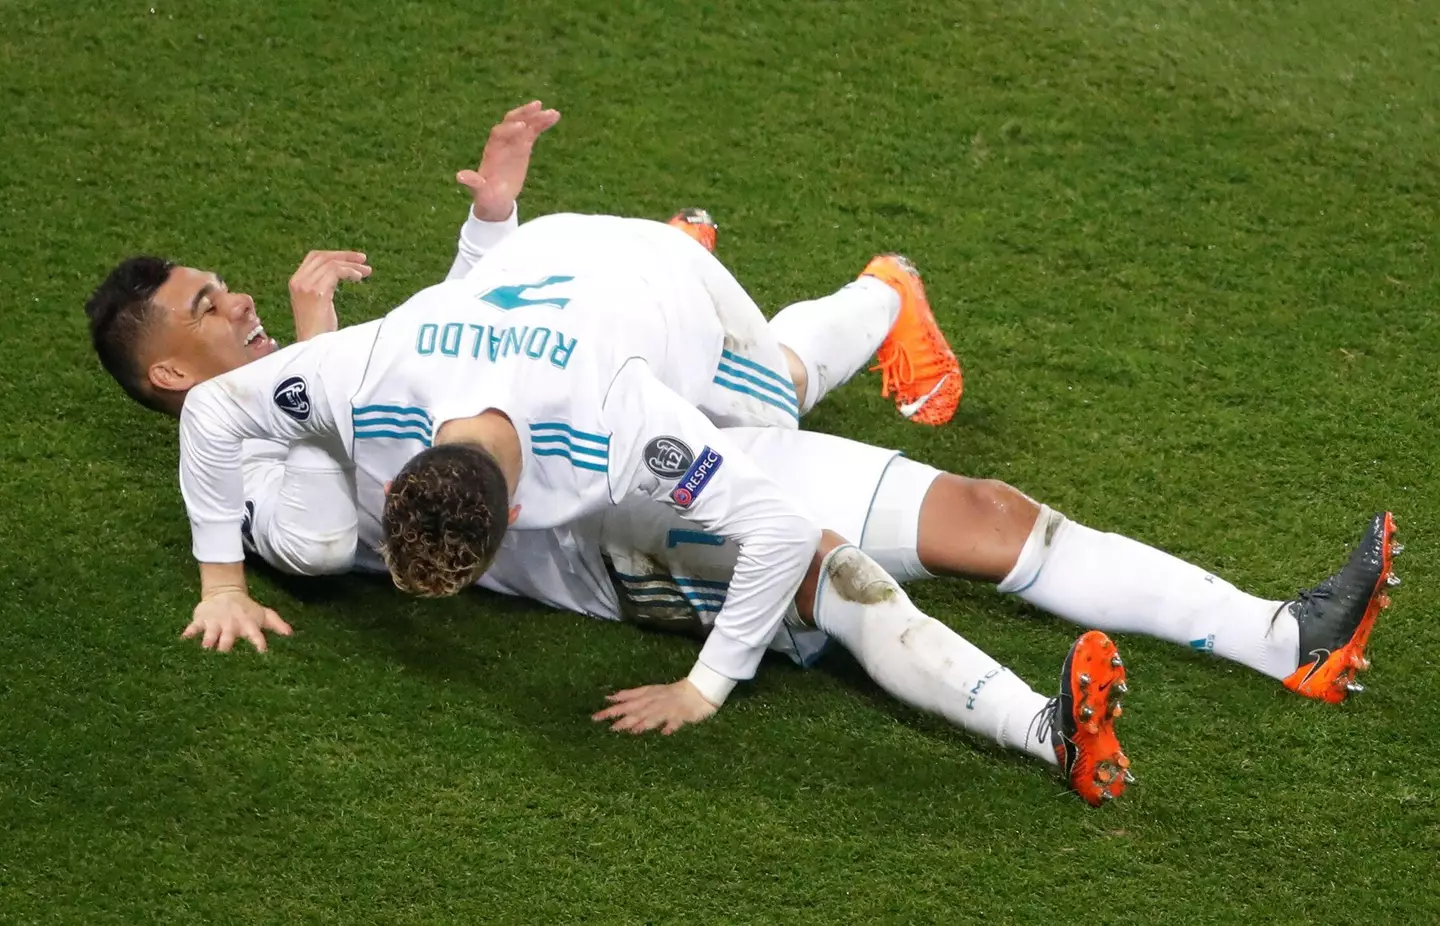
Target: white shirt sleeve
column 278, row 397
column 663, row 448
column 300, row 509
column 477, row 237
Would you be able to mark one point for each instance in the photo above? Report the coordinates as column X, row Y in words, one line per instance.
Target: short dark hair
column 444, row 520
column 120, row 311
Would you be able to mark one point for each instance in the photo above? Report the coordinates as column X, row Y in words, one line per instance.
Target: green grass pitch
column 1186, row 252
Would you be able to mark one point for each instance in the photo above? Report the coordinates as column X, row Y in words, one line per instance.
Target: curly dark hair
column 445, row 517
column 120, row 310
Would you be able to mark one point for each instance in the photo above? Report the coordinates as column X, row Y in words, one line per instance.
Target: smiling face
column 199, row 329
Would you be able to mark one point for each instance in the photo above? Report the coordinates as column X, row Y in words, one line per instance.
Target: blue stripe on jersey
column 403, row 411
column 700, row 538
column 782, row 381
column 396, row 422
column 768, row 400
column 558, row 439
column 392, row 422
column 394, row 435
column 563, row 441
column 565, row 452
column 784, row 395
column 545, row 426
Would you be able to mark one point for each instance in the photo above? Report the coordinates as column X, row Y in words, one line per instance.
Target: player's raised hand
column 313, row 285
column 666, row 708
column 497, row 182
column 225, row 617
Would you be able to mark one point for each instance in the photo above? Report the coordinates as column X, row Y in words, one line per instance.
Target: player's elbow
column 329, row 554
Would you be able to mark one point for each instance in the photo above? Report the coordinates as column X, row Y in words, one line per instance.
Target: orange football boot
column 1337, row 616
column 1081, row 721
column 915, row 362
column 697, row 224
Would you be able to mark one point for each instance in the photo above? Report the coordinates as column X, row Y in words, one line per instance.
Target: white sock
column 835, row 335
column 1119, row 585
column 919, row 660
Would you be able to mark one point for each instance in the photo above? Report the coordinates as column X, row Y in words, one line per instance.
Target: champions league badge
column 668, row 457
column 293, row 398
column 695, row 478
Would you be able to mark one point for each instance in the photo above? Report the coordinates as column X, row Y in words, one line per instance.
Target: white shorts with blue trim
column 746, row 376
column 670, row 575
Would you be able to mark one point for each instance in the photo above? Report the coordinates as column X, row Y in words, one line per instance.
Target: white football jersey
column 596, row 346
column 637, row 560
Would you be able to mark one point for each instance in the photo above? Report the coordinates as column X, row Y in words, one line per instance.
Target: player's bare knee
column 1001, row 505
column 980, row 504
column 974, row 527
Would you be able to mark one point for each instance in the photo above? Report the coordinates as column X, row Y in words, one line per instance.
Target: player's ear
column 388, row 484
column 514, row 513
column 169, row 376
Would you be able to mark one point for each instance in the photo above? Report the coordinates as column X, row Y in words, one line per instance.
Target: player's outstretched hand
column 497, row 182
column 313, row 285
column 228, row 616
column 666, row 708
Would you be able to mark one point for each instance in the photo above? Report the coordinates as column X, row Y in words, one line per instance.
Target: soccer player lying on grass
column 572, row 333
column 641, row 561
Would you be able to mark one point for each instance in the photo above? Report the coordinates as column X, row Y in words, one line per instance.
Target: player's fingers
column 611, row 712
column 190, row 631
column 352, row 272
column 227, row 639
column 619, row 723
column 342, row 259
column 273, row 622
column 650, row 722
column 312, row 260
column 672, row 725
column 521, row 112
column 470, row 178
column 308, row 274
column 212, row 633
column 327, row 261
column 629, row 694
column 632, row 724
column 256, row 636
column 544, row 121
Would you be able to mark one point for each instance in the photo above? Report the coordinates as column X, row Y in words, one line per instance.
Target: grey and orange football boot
column 1081, row 720
column 696, row 223
column 1337, row 616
